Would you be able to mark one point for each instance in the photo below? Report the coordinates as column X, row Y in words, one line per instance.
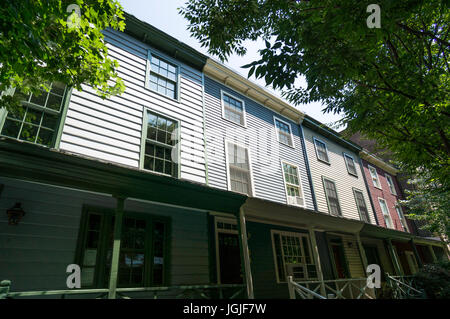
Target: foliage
column 429, row 201
column 435, row 280
column 40, row 42
column 390, row 83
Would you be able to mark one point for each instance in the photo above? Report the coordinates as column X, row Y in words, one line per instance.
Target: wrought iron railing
column 353, row 288
column 404, row 287
column 224, row 291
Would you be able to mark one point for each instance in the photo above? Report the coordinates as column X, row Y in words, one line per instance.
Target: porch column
column 394, row 258
column 362, row 253
column 245, row 256
column 433, row 255
column 416, row 253
column 116, row 248
column 315, row 249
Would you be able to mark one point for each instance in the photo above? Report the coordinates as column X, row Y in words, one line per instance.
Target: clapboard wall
column 111, row 129
column 336, row 170
column 260, row 137
column 34, row 254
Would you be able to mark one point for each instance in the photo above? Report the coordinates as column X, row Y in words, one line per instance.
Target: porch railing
column 354, row 288
column 404, row 287
column 224, row 291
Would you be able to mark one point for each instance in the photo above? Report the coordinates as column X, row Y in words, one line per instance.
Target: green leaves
column 37, row 45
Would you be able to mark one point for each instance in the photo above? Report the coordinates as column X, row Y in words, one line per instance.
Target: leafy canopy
column 390, row 83
column 41, row 42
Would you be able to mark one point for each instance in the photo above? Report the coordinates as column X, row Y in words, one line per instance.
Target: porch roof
column 22, row 160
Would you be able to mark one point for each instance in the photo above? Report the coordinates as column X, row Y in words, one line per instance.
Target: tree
column 390, row 83
column 43, row 41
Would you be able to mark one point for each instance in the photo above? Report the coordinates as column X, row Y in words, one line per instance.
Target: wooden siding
column 34, row 254
column 260, row 137
column 353, row 256
column 336, row 170
column 111, row 129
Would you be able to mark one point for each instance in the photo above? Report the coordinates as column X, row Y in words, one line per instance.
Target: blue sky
column 164, row 15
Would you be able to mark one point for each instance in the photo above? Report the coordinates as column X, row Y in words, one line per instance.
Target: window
column 37, row 121
column 386, row 215
column 284, row 132
column 292, row 184
column 321, row 150
column 361, row 204
column 161, row 153
column 402, row 218
column 390, row 182
column 351, row 166
column 233, row 109
column 142, row 257
column 332, row 197
column 374, row 175
column 238, row 169
column 293, row 257
column 162, row 77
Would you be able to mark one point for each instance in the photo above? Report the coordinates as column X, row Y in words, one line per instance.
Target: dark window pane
column 33, row 116
column 149, row 163
column 29, row 133
column 58, row 88
column 54, row 102
column 159, row 152
column 151, row 133
column 39, row 99
column 11, row 128
column 50, row 121
column 149, row 149
column 159, row 165
column 45, row 137
column 94, row 221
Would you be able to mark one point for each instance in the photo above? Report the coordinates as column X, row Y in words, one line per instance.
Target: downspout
column 368, row 190
column 308, row 169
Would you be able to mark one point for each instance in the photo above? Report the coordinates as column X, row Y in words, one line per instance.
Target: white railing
column 353, row 288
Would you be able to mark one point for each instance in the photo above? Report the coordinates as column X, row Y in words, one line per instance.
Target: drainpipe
column 368, row 190
column 245, row 256
column 116, row 248
column 308, row 169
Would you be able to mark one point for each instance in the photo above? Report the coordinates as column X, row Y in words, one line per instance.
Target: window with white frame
column 321, row 150
column 332, row 197
column 361, row 204
column 385, row 211
column 402, row 217
column 38, row 118
column 374, row 176
column 391, row 185
column 284, row 132
column 293, row 256
column 292, row 184
column 350, row 163
column 233, row 109
column 161, row 153
column 162, row 76
column 239, row 169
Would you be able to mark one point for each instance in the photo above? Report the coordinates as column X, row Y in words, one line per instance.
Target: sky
column 163, row 14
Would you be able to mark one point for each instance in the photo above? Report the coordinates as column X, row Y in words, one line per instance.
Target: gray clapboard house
column 194, row 181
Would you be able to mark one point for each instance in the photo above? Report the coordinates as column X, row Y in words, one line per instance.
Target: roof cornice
column 223, row 74
column 371, row 158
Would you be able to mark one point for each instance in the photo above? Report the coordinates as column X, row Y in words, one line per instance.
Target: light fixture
column 15, row 214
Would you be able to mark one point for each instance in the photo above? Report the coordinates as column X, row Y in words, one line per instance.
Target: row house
column 194, row 179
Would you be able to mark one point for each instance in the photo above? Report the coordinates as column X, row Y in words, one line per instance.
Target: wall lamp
column 15, row 214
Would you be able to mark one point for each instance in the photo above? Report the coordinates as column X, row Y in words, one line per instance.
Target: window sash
column 385, row 211
column 163, row 76
column 239, row 169
column 233, row 109
column 362, row 207
column 351, row 166
column 332, row 198
column 402, row 218
column 374, row 175
column 293, row 248
column 284, row 132
column 292, row 185
column 321, row 149
column 391, row 185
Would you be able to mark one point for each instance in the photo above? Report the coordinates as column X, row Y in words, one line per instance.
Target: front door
column 339, row 261
column 228, row 252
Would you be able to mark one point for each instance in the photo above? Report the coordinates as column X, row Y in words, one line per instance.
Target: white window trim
column 388, row 211
column 354, row 163
column 391, row 180
column 317, row 153
column 148, row 69
column 299, row 181
column 216, row 235
column 402, row 217
column 226, row 141
column 371, row 177
column 292, row 234
column 275, row 119
column 222, row 92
